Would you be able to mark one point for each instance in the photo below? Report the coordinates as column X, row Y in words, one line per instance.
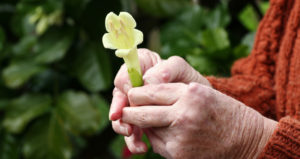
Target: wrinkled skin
column 182, row 116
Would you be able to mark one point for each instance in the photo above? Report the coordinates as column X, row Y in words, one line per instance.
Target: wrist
column 269, row 128
column 261, row 130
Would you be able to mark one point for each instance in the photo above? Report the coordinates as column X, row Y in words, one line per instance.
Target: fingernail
column 124, row 130
column 126, row 87
column 114, row 116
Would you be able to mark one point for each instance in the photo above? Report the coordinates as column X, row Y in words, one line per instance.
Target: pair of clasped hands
column 182, row 115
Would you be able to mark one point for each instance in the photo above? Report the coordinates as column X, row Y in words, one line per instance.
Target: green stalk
column 134, row 68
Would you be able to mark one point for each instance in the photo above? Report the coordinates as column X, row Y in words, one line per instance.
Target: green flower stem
column 134, row 68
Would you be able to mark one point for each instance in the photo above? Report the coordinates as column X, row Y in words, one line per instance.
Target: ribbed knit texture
column 268, row 80
column 285, row 141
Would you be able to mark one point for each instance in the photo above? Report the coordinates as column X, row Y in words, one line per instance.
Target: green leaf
column 75, row 7
column 196, row 29
column 47, row 139
column 117, row 145
column 4, row 103
column 78, row 113
column 203, row 64
column 103, row 108
column 24, row 109
column 92, row 67
column 148, row 155
column 25, row 45
column 128, row 5
column 2, row 38
column 16, row 74
column 9, row 146
column 248, row 40
column 215, row 39
column 53, row 46
column 249, row 18
column 218, row 17
column 182, row 35
column 162, row 8
column 240, row 51
column 264, row 6
column 20, row 24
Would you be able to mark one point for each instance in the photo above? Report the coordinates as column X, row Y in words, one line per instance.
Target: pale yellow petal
column 110, row 20
column 127, row 19
column 108, row 42
column 138, row 37
column 122, row 52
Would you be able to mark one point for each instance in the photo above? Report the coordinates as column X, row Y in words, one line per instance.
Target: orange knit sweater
column 269, row 79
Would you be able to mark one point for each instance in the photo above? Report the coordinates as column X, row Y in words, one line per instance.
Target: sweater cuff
column 285, row 141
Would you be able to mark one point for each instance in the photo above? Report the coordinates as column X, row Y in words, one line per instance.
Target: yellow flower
column 123, row 36
column 121, row 33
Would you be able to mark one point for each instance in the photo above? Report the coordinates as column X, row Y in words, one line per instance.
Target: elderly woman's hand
column 196, row 121
column 155, row 70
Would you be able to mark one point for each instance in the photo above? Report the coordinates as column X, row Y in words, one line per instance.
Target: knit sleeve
column 285, row 141
column 253, row 91
column 251, row 83
column 252, row 78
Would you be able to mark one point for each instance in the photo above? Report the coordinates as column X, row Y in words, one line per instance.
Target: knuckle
column 160, row 87
column 177, row 59
column 180, row 120
column 199, row 92
column 115, row 91
column 151, row 95
column 144, row 51
column 116, row 81
column 160, row 73
column 116, row 127
column 174, row 150
column 130, row 94
column 156, row 149
column 142, row 120
column 165, row 74
column 156, row 55
column 129, row 143
column 147, row 52
column 150, row 56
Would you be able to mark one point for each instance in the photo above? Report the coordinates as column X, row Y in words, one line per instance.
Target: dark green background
column 56, row 77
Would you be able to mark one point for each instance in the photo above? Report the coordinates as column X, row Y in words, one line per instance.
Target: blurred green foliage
column 56, row 77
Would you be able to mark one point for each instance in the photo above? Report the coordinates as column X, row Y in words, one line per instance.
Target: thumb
column 174, row 69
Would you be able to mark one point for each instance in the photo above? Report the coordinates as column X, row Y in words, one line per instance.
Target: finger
column 148, row 116
column 122, row 128
column 167, row 71
column 122, row 81
column 158, row 145
column 197, row 95
column 147, row 60
column 174, row 69
column 134, row 142
column 155, row 94
column 119, row 101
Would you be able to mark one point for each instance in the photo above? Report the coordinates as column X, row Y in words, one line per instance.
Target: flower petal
column 122, row 52
column 111, row 19
column 128, row 19
column 138, row 37
column 108, row 42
